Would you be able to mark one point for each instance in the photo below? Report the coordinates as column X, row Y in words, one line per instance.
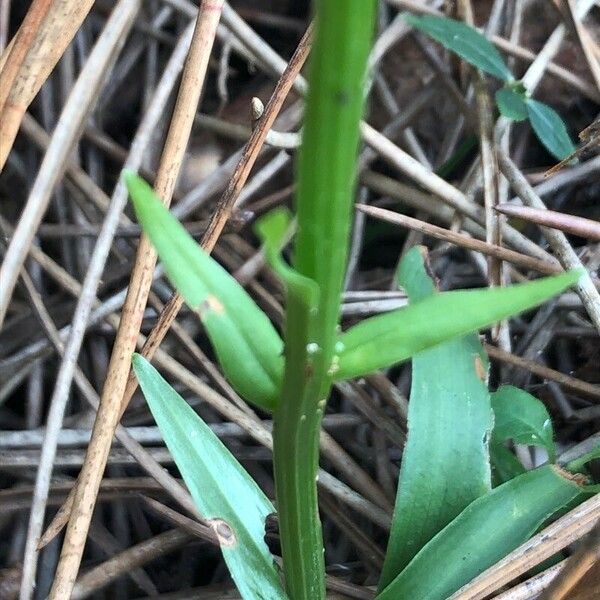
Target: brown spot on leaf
column 577, row 478
column 224, row 532
column 211, row 304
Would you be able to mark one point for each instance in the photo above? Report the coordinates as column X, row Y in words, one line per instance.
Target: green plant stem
column 326, row 181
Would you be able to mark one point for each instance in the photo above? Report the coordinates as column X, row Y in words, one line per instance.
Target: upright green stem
column 326, row 182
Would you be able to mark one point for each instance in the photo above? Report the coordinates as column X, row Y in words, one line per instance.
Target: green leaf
column 445, row 460
column 384, row 340
column 274, row 229
column 505, row 465
column 466, row 41
column 486, row 531
column 222, row 490
column 550, row 129
column 247, row 345
column 512, row 104
column 520, row 417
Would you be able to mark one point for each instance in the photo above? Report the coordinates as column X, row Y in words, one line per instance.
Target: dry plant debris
column 87, row 89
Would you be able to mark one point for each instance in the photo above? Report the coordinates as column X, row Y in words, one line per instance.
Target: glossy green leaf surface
column 247, row 345
column 550, row 129
column 512, row 104
column 486, row 531
column 445, row 462
column 221, row 488
column 522, row 418
column 384, row 340
column 466, row 41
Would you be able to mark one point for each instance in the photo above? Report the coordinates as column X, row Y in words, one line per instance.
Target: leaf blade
column 465, row 41
column 449, row 421
column 522, row 418
column 387, row 339
column 247, row 345
column 508, row 515
column 220, row 486
column 550, row 129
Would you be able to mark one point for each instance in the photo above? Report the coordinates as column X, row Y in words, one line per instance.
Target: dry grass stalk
column 45, row 34
column 576, row 568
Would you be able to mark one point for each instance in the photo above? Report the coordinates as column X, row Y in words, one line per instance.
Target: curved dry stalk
column 141, row 278
column 54, row 32
column 533, row 586
column 19, row 47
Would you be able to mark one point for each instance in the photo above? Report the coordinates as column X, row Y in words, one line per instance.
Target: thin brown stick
column 440, row 187
column 22, row 41
column 460, row 239
column 572, row 383
column 54, row 33
column 230, row 195
column 576, row 568
column 133, row 309
column 200, row 530
column 580, row 226
column 590, row 297
column 133, row 557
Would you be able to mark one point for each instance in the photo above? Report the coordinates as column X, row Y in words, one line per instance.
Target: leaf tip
column 129, row 177
column 137, row 361
column 137, row 188
column 574, row 276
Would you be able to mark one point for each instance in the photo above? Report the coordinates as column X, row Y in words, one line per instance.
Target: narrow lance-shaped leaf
column 466, row 41
column 520, row 417
column 384, row 340
column 247, row 345
column 222, row 490
column 550, row 129
column 445, row 462
column 486, row 531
